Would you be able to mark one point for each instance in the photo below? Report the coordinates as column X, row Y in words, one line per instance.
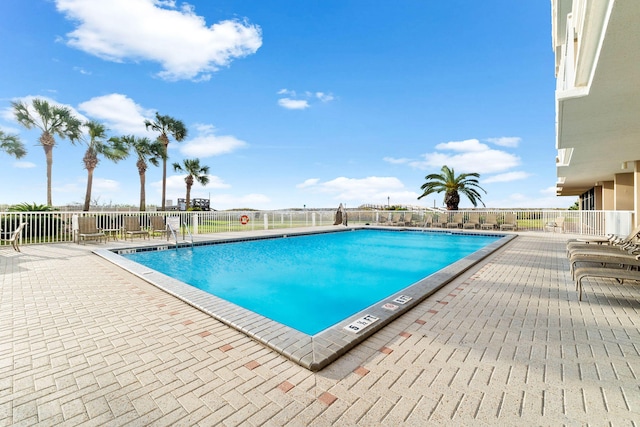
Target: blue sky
column 290, row 103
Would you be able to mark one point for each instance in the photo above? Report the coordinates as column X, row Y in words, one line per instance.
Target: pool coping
column 317, row 351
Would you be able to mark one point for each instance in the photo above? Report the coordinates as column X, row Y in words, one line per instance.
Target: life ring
column 244, row 220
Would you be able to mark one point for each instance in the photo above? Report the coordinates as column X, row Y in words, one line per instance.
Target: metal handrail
column 188, row 232
column 173, row 233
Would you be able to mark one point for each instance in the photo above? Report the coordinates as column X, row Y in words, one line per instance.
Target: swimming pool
column 314, row 281
column 313, row 349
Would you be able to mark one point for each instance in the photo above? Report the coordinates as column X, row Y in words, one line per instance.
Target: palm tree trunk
column 164, row 182
column 87, row 197
column 188, row 196
column 165, row 142
column 48, row 152
column 142, row 169
column 143, row 201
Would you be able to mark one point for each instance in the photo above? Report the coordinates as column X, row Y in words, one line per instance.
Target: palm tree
column 52, row 120
column 146, row 151
column 465, row 183
column 167, row 126
column 12, row 145
column 194, row 171
column 111, row 150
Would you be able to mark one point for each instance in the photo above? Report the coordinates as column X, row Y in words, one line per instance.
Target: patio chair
column 395, row 219
column 473, row 221
column 510, row 222
column 158, row 227
column 619, row 274
column 14, row 237
column 455, row 221
column 88, row 229
column 132, row 228
column 490, row 222
column 428, row 221
column 557, row 223
column 440, row 220
column 408, row 219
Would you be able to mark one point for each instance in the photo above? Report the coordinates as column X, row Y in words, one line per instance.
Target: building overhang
column 599, row 124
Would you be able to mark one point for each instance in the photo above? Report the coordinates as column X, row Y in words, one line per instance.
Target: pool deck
column 83, row 342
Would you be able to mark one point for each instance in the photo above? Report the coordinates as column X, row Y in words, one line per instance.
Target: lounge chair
column 158, row 227
column 408, row 219
column 619, row 274
column 428, row 221
column 490, row 222
column 510, row 222
column 88, row 229
column 14, row 237
column 455, row 221
column 473, row 221
column 132, row 228
column 613, row 246
column 395, row 219
column 622, row 258
column 440, row 220
column 557, row 223
column 590, row 242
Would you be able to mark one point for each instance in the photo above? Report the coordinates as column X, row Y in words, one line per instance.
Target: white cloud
column 228, row 201
column 24, row 165
column 151, row 30
column 207, row 144
column 82, row 71
column 549, row 190
column 177, row 188
column 471, row 156
column 519, row 200
column 119, row 113
column 287, row 92
column 293, row 104
column 9, row 116
column 308, row 183
column 468, row 145
column 395, row 161
column 176, row 184
column 104, row 185
column 507, row 177
column 71, row 188
column 293, row 101
column 371, row 189
column 28, row 100
column 324, row 97
column 506, row 141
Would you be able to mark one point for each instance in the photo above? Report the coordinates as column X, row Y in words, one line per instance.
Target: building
column 597, row 59
column 198, row 204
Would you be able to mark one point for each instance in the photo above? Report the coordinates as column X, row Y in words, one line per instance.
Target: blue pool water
column 314, row 281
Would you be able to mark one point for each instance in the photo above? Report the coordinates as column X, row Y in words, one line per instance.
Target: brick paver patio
column 508, row 343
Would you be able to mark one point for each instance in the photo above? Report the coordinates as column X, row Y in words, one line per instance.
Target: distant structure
column 202, row 204
column 369, row 206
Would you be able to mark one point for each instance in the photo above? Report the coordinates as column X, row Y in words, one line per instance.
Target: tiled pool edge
column 311, row 352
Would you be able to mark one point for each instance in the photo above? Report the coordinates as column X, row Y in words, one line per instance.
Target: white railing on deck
column 55, row 227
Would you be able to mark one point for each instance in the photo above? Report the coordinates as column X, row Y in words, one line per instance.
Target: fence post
column 74, row 227
column 266, row 221
column 195, row 223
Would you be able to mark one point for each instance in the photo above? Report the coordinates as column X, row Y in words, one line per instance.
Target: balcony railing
column 57, row 227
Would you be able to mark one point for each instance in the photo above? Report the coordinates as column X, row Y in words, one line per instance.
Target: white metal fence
column 55, row 227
